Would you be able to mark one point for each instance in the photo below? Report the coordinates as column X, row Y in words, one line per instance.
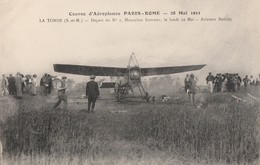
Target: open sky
column 28, row 46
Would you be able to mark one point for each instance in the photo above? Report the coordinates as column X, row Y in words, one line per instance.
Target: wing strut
column 132, row 60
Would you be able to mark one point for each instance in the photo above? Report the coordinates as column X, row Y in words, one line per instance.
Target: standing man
column 218, row 83
column 252, row 81
column 92, row 93
column 192, row 89
column 210, row 79
column 62, row 96
column 239, row 80
column 233, row 82
column 11, row 87
column 45, row 83
column 246, row 81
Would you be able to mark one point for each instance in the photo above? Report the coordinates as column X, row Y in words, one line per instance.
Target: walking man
column 62, row 96
column 92, row 93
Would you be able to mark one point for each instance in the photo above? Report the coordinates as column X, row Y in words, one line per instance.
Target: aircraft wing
column 169, row 70
column 89, row 70
column 113, row 71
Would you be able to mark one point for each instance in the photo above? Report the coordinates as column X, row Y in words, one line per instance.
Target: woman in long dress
column 34, row 85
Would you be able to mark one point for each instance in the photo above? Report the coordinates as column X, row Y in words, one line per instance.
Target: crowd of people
column 19, row 84
column 229, row 82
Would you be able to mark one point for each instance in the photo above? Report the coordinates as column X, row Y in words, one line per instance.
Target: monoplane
column 129, row 78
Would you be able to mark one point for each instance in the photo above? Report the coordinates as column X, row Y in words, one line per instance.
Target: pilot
column 62, row 96
column 92, row 93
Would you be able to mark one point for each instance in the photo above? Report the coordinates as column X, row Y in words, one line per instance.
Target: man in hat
column 11, row 82
column 92, row 93
column 62, row 96
column 210, row 79
column 44, row 83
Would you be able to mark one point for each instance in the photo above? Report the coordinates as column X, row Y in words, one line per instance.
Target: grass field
column 225, row 132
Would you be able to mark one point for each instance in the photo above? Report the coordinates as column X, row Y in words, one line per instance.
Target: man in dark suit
column 11, row 86
column 92, row 93
column 210, row 79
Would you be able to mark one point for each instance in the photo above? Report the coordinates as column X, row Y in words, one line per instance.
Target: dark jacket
column 210, row 78
column 92, row 89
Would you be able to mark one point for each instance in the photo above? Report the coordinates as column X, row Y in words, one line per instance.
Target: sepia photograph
column 129, row 82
